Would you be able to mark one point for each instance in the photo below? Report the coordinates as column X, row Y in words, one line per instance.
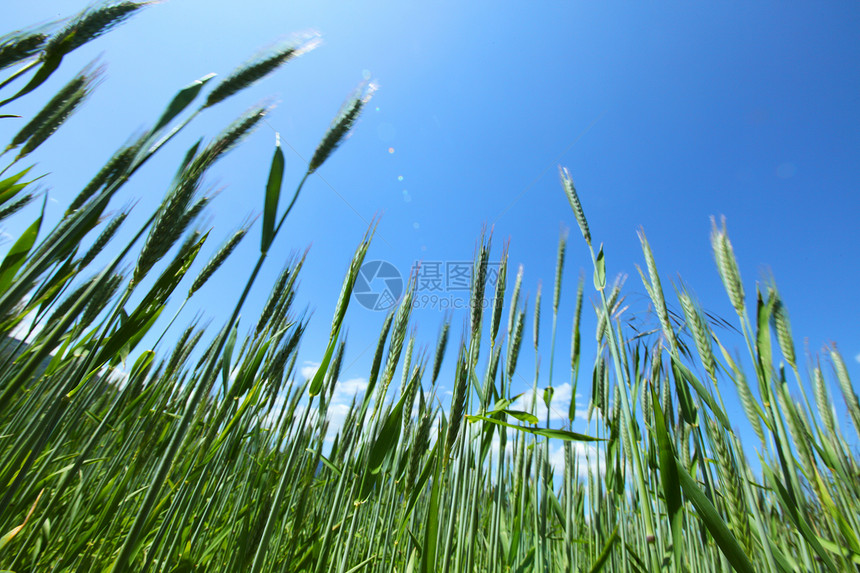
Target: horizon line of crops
column 216, row 455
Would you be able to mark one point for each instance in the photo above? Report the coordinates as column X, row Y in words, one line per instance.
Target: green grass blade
column 431, row 530
column 273, row 193
column 669, row 479
column 388, row 437
column 180, row 101
column 727, row 542
column 703, row 393
column 565, row 435
column 799, row 520
column 18, row 254
column 319, row 377
column 606, row 552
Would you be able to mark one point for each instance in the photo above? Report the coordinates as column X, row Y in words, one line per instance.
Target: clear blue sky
column 666, row 114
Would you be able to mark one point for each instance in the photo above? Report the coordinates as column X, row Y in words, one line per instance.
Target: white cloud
column 346, row 389
column 496, row 444
column 309, row 369
column 22, row 329
column 336, row 414
column 341, row 400
column 558, row 407
column 857, row 358
column 338, row 405
column 585, row 455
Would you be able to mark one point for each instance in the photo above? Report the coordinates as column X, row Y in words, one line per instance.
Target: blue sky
column 666, row 114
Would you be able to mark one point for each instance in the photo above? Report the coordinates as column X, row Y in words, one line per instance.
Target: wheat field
column 212, row 452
